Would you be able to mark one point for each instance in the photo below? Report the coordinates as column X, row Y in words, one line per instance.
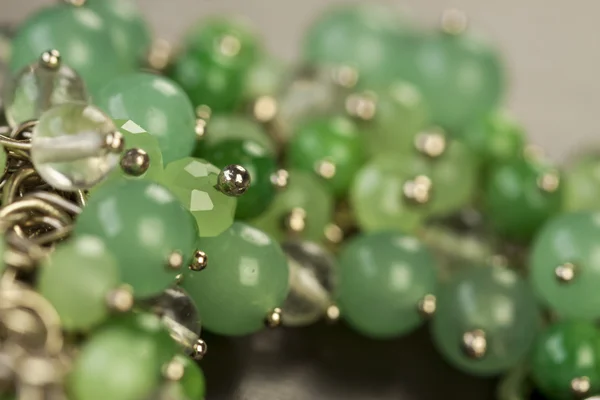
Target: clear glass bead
column 37, row 88
column 75, row 146
column 312, row 281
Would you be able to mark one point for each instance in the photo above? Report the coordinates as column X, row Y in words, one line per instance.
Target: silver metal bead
column 115, row 142
column 200, row 261
column 333, row 314
column 418, row 190
column 549, row 182
column 200, row 128
column 233, row 180
column 432, row 143
column 199, row 350
column 280, row 179
column 427, row 306
column 580, row 386
column 50, row 59
column 273, row 319
column 265, row 109
column 474, row 344
column 325, row 169
column 565, row 273
column 135, row 162
column 294, row 222
column 175, row 261
column 454, row 22
column 174, row 370
column 362, row 106
column 121, row 299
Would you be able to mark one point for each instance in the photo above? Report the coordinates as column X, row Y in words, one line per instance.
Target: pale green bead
column 230, row 126
column 582, row 185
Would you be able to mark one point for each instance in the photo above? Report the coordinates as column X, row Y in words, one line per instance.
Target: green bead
column 143, row 224
column 76, row 279
column 247, row 278
column 230, row 126
column 494, row 300
column 307, row 192
column 568, row 239
column 582, row 185
column 520, row 196
column 137, row 138
column 65, row 28
column 381, row 279
column 460, row 76
column 156, row 104
column 193, row 382
column 334, row 140
column 565, row 351
column 259, row 164
column 194, row 181
column 264, row 78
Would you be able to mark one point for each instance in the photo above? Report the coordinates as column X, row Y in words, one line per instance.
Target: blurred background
column 551, row 48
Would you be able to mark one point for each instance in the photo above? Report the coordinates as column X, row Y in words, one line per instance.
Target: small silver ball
column 135, row 162
column 233, row 180
column 50, row 59
column 474, row 344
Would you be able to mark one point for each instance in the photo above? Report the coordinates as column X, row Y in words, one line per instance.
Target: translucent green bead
column 230, row 126
column 563, row 262
column 332, row 147
column 147, row 229
column 194, row 182
column 156, row 104
column 520, row 196
column 565, row 351
column 486, row 320
column 247, row 278
column 136, row 137
column 259, row 164
column 193, row 382
column 65, row 28
column 305, row 192
column 76, row 279
column 381, row 279
column 582, row 185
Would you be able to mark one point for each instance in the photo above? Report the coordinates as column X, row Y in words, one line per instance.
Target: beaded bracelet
column 378, row 184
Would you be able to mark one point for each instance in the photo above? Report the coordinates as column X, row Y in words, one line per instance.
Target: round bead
column 75, row 146
column 37, row 88
column 313, row 275
column 494, row 302
column 264, row 78
column 568, row 239
column 247, row 278
column 194, row 182
column 76, row 279
column 65, row 28
column 193, row 382
column 156, row 104
column 565, row 351
column 230, row 126
column 328, row 141
column 520, row 196
column 582, row 184
column 144, row 225
column 304, row 192
column 381, row 279
column 259, row 164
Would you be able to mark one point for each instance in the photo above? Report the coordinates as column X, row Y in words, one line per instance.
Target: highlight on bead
column 50, row 59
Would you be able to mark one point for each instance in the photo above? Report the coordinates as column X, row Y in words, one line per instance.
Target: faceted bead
column 247, row 277
column 565, row 351
column 306, row 192
column 193, row 382
column 496, row 303
column 335, row 141
column 137, row 138
column 71, row 146
column 520, row 196
column 569, row 241
column 381, row 279
column 259, row 164
column 76, row 279
column 313, row 274
column 230, row 126
column 582, row 184
column 65, row 28
column 146, row 227
column 194, row 181
column 156, row 104
column 37, row 88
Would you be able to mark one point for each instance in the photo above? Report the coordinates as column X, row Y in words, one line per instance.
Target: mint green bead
column 335, row 140
column 381, row 279
column 582, row 185
column 492, row 299
column 569, row 238
column 76, row 279
column 193, row 382
column 156, row 104
column 304, row 191
column 194, row 182
column 66, row 28
column 247, row 278
column 231, row 126
column 143, row 224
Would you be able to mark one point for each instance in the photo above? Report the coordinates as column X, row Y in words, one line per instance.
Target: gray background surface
column 552, row 49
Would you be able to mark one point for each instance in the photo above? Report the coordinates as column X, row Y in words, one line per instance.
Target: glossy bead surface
column 259, row 164
column 137, row 138
column 230, row 126
column 492, row 299
column 71, row 146
column 520, row 196
column 193, row 181
column 65, row 28
column 37, row 88
column 565, row 351
column 143, row 224
column 156, row 104
column 582, row 184
column 334, row 140
column 77, row 279
column 381, row 278
column 569, row 238
column 193, row 382
column 247, row 279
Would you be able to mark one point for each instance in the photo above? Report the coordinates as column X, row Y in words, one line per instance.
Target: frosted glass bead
column 75, row 146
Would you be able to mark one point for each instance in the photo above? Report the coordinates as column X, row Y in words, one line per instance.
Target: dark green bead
column 565, row 351
column 335, row 140
column 520, row 196
column 258, row 162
